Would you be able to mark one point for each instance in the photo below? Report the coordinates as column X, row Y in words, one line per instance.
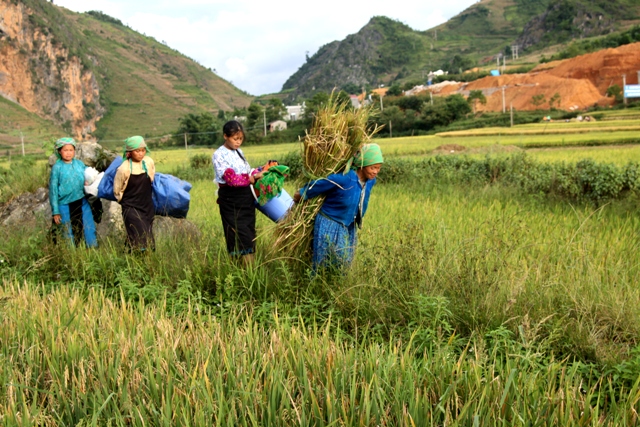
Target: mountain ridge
column 477, row 36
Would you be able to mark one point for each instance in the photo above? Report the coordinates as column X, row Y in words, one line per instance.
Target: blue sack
column 105, row 189
column 171, row 195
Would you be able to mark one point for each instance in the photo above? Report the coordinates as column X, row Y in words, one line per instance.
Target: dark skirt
column 138, row 213
column 238, row 213
column 333, row 243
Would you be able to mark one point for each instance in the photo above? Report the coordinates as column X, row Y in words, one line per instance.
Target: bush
column 585, row 181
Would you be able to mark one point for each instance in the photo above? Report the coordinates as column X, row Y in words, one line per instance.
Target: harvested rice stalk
column 337, row 133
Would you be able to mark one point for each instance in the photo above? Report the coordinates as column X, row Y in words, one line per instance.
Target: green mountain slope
column 387, row 51
column 136, row 85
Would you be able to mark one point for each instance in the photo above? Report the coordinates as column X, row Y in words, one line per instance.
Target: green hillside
column 144, row 85
column 386, row 51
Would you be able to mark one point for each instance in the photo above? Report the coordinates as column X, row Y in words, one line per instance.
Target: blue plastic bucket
column 276, row 208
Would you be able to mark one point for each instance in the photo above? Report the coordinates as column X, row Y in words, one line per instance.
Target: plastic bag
column 171, row 196
column 92, row 180
column 105, row 189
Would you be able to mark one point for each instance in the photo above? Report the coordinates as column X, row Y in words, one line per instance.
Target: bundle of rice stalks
column 337, row 133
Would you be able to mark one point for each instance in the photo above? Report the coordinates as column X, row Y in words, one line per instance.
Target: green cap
column 61, row 143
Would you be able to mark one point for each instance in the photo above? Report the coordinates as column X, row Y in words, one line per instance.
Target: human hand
column 57, row 219
column 297, row 197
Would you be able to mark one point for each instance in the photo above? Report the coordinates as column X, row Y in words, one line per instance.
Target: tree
column 254, row 114
column 201, row 129
column 554, row 101
column 275, row 110
column 314, row 103
column 616, row 93
column 394, row 90
column 538, row 100
column 352, row 88
column 474, row 97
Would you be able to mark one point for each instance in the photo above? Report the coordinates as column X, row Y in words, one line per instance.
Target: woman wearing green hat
column 346, row 201
column 132, row 188
column 70, row 210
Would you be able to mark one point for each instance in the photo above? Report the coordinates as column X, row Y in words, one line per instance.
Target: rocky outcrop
column 564, row 21
column 38, row 72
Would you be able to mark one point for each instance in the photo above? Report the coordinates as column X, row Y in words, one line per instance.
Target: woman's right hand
column 297, row 196
column 57, row 219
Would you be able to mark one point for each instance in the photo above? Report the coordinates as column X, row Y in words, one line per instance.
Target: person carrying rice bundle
column 346, row 200
column 132, row 188
column 71, row 213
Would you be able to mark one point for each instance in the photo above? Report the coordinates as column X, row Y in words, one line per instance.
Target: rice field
column 462, row 308
column 466, row 305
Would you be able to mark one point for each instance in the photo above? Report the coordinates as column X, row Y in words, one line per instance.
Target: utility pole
column 22, row 140
column 390, row 129
column 511, row 106
column 504, row 63
column 381, row 106
column 431, row 96
column 624, row 93
column 264, row 116
column 186, row 147
column 514, row 51
column 503, row 101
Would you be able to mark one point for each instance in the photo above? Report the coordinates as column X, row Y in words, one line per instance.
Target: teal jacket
column 66, row 184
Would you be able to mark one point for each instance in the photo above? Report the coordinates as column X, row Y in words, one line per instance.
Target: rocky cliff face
column 38, row 73
column 567, row 20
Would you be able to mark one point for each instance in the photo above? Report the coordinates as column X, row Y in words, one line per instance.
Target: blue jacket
column 66, row 184
column 342, row 196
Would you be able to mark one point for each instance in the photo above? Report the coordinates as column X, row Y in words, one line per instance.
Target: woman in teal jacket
column 70, row 210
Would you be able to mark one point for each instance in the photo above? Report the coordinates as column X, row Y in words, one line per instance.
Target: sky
column 257, row 44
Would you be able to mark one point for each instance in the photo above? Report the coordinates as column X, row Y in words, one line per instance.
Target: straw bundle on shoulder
column 337, row 133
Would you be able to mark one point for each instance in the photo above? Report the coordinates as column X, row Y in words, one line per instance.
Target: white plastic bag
column 92, row 180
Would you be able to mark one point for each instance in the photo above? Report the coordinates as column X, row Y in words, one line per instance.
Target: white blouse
column 224, row 158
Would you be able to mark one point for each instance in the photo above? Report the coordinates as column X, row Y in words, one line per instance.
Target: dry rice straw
column 337, row 133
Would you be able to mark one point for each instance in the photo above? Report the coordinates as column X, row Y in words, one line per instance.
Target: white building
column 294, row 112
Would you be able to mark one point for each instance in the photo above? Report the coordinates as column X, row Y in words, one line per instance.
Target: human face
column 138, row 154
column 234, row 141
column 67, row 152
column 370, row 172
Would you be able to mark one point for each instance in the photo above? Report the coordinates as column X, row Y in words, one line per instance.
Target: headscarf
column 61, row 143
column 369, row 154
column 133, row 143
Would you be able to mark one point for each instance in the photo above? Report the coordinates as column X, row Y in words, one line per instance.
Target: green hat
column 369, row 154
column 133, row 143
column 61, row 143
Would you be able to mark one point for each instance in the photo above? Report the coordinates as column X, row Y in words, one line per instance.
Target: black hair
column 232, row 127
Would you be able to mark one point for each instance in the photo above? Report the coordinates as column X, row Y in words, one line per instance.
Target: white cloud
column 256, row 44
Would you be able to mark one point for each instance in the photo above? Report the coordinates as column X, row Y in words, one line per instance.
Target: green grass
column 464, row 305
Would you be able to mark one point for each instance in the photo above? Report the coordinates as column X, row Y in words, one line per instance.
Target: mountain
column 386, row 51
column 91, row 76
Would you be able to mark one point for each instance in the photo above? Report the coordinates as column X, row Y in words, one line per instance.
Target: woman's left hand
column 255, row 177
